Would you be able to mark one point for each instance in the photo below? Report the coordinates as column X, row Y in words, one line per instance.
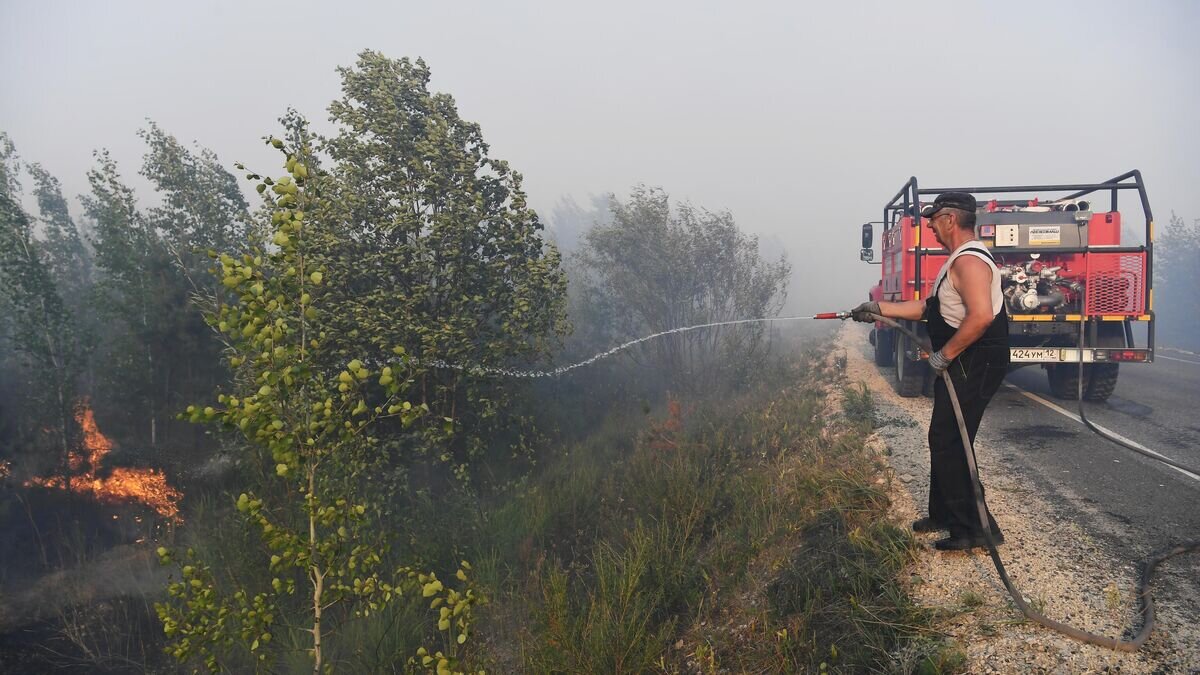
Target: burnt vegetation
column 233, row 436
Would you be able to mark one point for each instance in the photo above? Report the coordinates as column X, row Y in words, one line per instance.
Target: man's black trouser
column 977, row 374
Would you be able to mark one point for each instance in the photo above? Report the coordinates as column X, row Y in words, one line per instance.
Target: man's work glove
column 939, row 362
column 863, row 312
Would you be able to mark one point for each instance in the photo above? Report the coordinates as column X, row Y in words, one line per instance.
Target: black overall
column 977, row 374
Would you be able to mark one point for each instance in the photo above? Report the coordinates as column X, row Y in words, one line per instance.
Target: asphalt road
column 1133, row 504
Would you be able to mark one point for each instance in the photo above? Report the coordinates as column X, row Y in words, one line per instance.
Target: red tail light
column 1127, row 355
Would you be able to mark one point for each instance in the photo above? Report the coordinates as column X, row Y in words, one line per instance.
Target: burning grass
column 118, row 485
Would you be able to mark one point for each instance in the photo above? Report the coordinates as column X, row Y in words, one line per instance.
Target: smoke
column 1177, row 284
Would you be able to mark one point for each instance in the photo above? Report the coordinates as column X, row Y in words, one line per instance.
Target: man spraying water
column 968, row 330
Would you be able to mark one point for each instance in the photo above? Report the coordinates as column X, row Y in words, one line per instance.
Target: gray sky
column 800, row 119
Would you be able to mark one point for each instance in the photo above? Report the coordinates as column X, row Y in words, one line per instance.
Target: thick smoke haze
column 800, row 119
column 276, row 405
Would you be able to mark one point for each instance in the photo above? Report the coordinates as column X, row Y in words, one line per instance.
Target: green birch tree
column 440, row 251
column 43, row 339
column 202, row 208
column 142, row 298
column 67, row 254
column 312, row 430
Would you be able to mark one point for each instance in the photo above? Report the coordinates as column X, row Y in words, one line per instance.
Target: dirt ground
column 1059, row 568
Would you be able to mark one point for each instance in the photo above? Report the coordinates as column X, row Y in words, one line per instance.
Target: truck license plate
column 1021, row 354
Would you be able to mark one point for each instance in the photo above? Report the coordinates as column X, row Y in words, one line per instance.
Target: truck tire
column 1103, row 378
column 1101, row 382
column 885, row 351
column 1064, row 380
column 1099, row 379
column 910, row 375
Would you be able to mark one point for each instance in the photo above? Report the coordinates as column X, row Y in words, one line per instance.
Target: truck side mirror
column 868, row 235
column 866, row 255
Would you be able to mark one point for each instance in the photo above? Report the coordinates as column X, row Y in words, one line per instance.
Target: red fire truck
column 1072, row 290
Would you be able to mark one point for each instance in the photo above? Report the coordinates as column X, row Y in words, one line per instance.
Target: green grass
column 970, row 599
column 749, row 530
column 614, row 622
column 859, row 407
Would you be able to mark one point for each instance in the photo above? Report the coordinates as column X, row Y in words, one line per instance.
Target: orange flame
column 146, row 486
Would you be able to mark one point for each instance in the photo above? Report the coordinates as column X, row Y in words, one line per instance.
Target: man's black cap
column 950, row 200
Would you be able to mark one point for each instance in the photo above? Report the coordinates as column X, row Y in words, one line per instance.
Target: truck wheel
column 1064, row 381
column 1101, row 382
column 1103, row 377
column 884, row 349
column 910, row 375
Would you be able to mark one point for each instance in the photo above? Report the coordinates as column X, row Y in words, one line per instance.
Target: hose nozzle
column 832, row 315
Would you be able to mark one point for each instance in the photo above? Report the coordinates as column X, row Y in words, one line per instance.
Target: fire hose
column 1149, row 564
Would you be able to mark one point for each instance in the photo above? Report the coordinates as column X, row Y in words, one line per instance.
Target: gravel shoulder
column 1069, row 573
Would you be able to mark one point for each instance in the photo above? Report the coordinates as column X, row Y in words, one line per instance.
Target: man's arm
column 909, row 309
column 973, row 279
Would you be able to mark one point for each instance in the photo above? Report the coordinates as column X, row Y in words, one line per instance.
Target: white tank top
column 953, row 309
